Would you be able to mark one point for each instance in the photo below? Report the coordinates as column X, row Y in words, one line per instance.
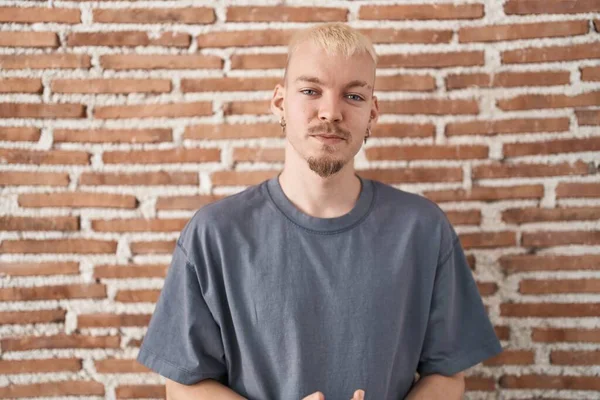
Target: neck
column 329, row 197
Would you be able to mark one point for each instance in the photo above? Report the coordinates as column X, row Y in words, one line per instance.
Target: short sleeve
column 183, row 341
column 459, row 333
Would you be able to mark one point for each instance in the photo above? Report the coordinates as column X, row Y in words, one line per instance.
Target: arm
column 206, row 389
column 439, row 387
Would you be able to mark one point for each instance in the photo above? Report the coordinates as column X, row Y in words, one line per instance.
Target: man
column 318, row 282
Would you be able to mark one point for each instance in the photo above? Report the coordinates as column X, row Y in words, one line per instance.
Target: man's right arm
column 206, row 389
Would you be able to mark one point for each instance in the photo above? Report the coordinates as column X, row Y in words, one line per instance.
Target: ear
column 277, row 101
column 374, row 112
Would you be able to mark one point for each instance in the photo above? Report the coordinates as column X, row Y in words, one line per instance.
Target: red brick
column 45, row 61
column 571, row 357
column 130, row 271
column 552, row 286
column 56, row 246
column 429, row 106
column 77, row 200
column 404, row 130
column 53, row 389
column 232, row 131
column 134, row 343
column 393, row 35
column 503, row 332
column 528, row 215
column 508, row 79
column 122, row 86
column 560, row 238
column 524, row 7
column 138, row 296
column 20, row 134
column 112, row 135
column 410, row 175
column 180, row 15
column 119, row 366
column 550, row 382
column 228, row 84
column 40, row 14
column 552, row 53
column 529, row 263
column 487, row 288
column 29, row 39
column 507, row 126
column 405, row 83
column 522, row 31
column 541, row 101
column 570, row 335
column 588, row 117
column 105, row 320
column 44, row 157
column 55, row 223
column 258, row 61
column 40, row 365
column 32, row 317
column 261, row 154
column 248, row 38
column 577, row 189
column 154, row 247
column 176, row 156
column 476, row 383
column 481, row 240
column 140, row 178
column 60, row 341
column 160, row 61
column 488, row 194
column 512, row 357
column 550, row 310
column 10, row 178
column 432, row 60
column 139, row 225
column 140, row 391
column 500, row 170
column 247, row 107
column 171, row 110
column 127, row 39
column 37, row 269
column 186, row 202
column 590, row 74
column 56, row 292
column 286, row 14
column 21, row 85
column 466, row 217
column 241, row 178
column 421, row 11
column 449, row 152
column 38, row 110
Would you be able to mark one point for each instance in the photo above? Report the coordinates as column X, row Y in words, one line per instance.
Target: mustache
column 326, row 129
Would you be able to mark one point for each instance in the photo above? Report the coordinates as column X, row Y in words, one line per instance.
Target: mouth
column 329, row 139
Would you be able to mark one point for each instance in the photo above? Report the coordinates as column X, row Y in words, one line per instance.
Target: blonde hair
column 334, row 38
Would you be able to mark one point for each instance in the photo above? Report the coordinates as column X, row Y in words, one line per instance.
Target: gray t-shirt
column 277, row 304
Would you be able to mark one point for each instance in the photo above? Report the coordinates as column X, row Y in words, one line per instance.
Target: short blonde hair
column 334, row 38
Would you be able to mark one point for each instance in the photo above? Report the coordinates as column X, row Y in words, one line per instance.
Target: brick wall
column 119, row 119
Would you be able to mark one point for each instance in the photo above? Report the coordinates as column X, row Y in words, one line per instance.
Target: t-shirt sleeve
column 183, row 341
column 459, row 333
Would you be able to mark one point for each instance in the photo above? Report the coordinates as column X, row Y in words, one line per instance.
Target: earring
column 367, row 135
column 282, row 122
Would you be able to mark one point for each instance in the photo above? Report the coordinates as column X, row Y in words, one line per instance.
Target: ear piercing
column 367, row 135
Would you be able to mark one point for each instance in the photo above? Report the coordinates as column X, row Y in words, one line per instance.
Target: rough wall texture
column 119, row 119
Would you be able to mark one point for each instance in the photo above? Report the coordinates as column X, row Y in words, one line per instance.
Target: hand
column 358, row 395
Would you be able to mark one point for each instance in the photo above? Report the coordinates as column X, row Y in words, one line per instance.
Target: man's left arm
column 438, row 387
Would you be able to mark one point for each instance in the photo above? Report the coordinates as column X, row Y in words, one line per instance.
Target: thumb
column 359, row 395
column 315, row 396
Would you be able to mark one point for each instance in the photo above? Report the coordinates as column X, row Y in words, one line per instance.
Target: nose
column 330, row 109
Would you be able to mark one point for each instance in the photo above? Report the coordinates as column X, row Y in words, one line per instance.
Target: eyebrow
column 313, row 79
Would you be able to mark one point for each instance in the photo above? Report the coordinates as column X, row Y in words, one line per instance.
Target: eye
column 308, row 92
column 354, row 97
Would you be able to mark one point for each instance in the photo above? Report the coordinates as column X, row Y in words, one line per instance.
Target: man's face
column 328, row 104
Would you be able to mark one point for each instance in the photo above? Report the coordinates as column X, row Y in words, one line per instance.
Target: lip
column 329, row 139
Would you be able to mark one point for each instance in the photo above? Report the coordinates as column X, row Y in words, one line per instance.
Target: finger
column 315, row 396
column 359, row 395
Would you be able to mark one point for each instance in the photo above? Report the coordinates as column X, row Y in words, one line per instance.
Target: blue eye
column 355, row 97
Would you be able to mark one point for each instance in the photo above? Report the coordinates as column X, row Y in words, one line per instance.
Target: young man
column 319, row 282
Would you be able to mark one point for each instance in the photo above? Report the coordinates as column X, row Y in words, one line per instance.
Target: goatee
column 325, row 166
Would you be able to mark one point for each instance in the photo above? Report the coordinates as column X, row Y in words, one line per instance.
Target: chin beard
column 325, row 166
